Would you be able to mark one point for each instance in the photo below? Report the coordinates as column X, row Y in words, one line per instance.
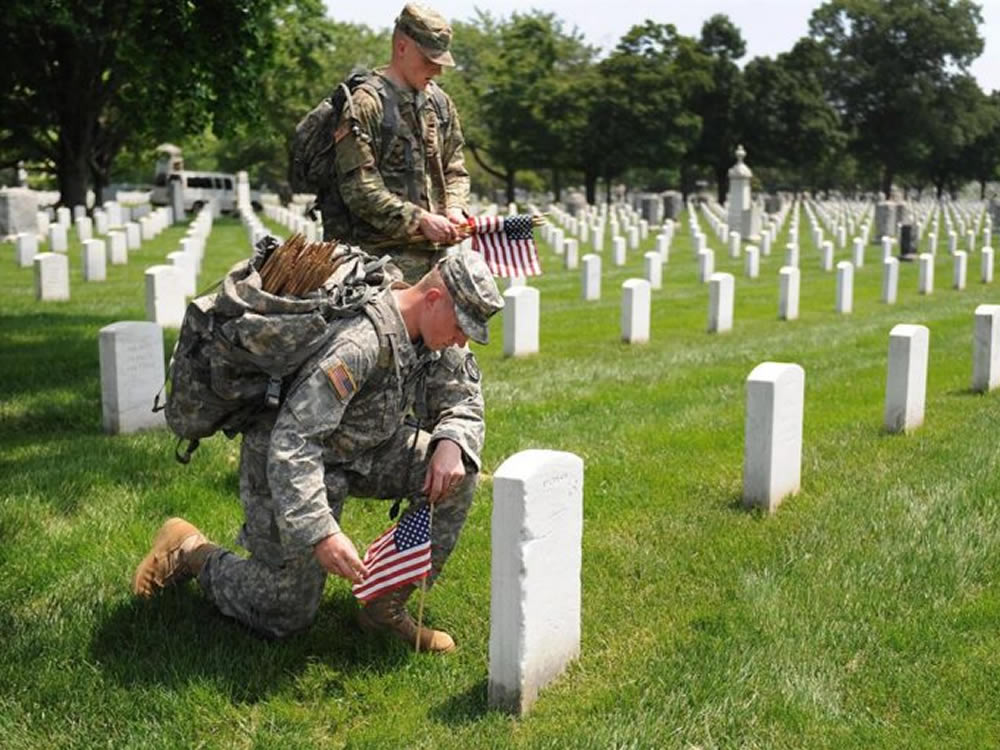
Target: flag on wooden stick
column 507, row 244
column 401, row 555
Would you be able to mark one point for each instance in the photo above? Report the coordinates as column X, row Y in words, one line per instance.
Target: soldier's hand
column 445, row 470
column 337, row 555
column 455, row 216
column 438, row 228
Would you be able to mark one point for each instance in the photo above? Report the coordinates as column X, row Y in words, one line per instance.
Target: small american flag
column 507, row 244
column 401, row 555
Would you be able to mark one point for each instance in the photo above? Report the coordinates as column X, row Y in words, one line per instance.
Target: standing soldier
column 399, row 152
column 342, row 430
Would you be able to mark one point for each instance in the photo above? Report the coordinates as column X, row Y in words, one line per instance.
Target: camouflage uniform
column 384, row 185
column 342, row 431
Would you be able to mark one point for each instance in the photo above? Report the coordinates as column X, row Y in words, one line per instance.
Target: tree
column 720, row 105
column 891, row 57
column 80, row 80
column 311, row 55
column 789, row 124
column 981, row 154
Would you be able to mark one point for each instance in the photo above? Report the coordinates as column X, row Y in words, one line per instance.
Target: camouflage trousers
column 276, row 592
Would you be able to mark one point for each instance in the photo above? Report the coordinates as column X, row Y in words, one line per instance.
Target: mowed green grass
column 865, row 613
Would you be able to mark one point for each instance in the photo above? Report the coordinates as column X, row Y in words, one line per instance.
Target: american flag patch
column 341, row 380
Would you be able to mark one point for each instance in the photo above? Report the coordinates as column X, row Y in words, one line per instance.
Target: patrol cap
column 473, row 291
column 429, row 29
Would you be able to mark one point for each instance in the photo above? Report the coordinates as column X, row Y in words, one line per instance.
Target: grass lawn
column 865, row 613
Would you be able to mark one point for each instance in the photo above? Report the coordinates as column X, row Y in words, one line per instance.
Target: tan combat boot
column 178, row 553
column 387, row 614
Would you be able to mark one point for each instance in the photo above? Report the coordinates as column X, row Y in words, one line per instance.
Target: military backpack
column 312, row 167
column 240, row 347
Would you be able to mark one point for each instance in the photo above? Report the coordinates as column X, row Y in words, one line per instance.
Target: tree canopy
column 877, row 94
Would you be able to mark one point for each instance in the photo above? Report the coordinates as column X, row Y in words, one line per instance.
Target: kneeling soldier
column 342, row 430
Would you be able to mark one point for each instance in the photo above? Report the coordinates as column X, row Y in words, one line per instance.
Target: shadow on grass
column 466, row 707
column 179, row 638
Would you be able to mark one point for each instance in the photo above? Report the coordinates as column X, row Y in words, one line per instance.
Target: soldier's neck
column 395, row 76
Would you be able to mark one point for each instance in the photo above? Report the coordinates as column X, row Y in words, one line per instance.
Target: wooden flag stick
column 423, row 584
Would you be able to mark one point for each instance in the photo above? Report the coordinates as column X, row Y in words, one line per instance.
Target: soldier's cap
column 429, row 29
column 472, row 289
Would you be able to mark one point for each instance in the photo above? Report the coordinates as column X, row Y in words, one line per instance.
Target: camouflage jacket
column 353, row 396
column 423, row 169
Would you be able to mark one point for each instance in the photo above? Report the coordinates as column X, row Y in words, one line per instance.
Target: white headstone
column 765, row 244
column 633, row 238
column 117, row 248
column 886, row 247
column 654, row 269
column 100, row 222
column 906, row 384
column 26, row 248
column 734, row 244
column 558, row 235
column 961, row 269
column 706, row 265
column 42, row 223
column 635, row 311
column 986, row 265
column 132, row 373
column 845, row 287
column 79, row 211
column 590, row 277
column 986, row 349
column 890, row 280
column 185, row 265
column 751, row 265
column 952, row 242
column 618, row 250
column 84, row 228
column 51, row 276
column 826, row 256
column 520, row 321
column 64, row 216
column 571, row 253
column 114, row 211
column 663, row 247
column 57, row 238
column 721, row 287
column 925, row 284
column 133, row 235
column 792, row 255
column 772, row 454
column 788, row 293
column 148, row 226
column 932, row 243
column 164, row 296
column 859, row 252
column 95, row 260
column 535, row 592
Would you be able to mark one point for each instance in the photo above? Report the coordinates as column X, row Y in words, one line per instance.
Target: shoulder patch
column 472, row 368
column 341, row 380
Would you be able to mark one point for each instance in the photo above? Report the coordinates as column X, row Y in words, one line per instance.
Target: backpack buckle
column 273, row 395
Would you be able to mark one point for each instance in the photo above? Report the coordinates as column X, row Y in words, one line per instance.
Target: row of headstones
column 52, row 267
column 775, row 400
column 123, row 237
column 522, row 305
column 295, row 221
column 168, row 286
column 131, row 352
column 536, row 528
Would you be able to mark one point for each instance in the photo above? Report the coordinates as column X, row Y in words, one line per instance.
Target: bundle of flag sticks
column 299, row 267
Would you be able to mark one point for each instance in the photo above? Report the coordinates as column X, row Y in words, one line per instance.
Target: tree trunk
column 510, row 184
column 982, row 190
column 557, row 184
column 590, row 184
column 722, row 182
column 73, row 172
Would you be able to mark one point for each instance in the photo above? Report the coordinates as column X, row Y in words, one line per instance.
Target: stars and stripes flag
column 507, row 244
column 401, row 555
